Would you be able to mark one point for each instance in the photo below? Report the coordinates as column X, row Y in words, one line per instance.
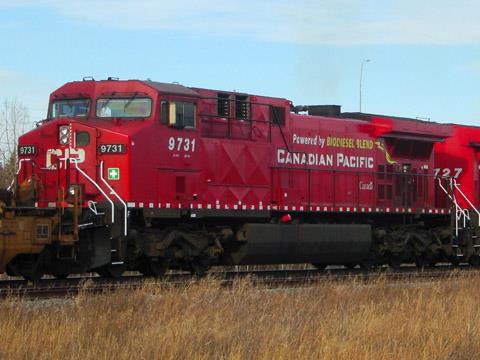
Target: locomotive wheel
column 29, row 266
column 421, row 261
column 33, row 275
column 144, row 268
column 394, row 262
column 111, row 271
column 198, row 267
column 11, row 270
column 60, row 276
column 474, row 260
column 154, row 267
column 367, row 265
column 320, row 266
column 158, row 267
column 455, row 261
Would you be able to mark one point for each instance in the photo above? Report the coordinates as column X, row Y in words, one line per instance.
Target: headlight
column 63, row 134
column 63, row 140
column 72, row 189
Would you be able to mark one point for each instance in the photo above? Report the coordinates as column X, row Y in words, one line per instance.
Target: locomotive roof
column 161, row 87
column 369, row 116
column 407, row 128
column 171, row 88
column 178, row 89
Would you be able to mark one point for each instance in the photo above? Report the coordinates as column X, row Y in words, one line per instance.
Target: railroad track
column 51, row 288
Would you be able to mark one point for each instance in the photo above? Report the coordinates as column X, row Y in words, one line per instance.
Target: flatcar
column 146, row 176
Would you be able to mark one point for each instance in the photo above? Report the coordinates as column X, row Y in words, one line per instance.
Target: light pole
column 361, row 79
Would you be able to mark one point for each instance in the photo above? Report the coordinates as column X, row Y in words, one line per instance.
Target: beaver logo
column 381, row 146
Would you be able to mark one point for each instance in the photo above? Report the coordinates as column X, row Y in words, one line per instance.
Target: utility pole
column 361, row 80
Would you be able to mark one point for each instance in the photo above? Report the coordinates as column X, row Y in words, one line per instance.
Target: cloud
column 329, row 22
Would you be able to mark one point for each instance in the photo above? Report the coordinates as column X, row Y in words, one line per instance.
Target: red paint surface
column 244, row 164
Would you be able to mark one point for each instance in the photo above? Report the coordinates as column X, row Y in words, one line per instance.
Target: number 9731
column 181, row 144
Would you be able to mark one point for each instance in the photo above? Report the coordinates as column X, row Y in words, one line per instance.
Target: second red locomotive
column 141, row 175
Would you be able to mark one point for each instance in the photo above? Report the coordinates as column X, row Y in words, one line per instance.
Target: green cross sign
column 113, row 174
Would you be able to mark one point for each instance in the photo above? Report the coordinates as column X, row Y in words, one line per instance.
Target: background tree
column 14, row 120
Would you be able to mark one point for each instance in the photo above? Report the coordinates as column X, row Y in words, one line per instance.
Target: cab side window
column 163, row 112
column 182, row 115
column 178, row 114
column 188, row 114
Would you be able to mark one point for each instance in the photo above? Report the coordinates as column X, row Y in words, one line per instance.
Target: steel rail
column 52, row 288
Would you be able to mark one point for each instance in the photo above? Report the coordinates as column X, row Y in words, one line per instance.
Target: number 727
column 447, row 172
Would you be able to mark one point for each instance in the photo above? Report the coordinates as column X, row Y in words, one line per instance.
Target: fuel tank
column 303, row 243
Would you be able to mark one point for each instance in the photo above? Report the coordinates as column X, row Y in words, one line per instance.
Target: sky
column 425, row 56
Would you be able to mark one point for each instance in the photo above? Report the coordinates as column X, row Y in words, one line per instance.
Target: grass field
column 203, row 320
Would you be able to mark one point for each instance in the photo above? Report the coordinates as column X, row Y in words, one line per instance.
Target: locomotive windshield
column 70, row 108
column 124, row 108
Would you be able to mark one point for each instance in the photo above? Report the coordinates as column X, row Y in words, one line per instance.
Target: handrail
column 96, row 185
column 465, row 197
column 18, row 171
column 125, row 228
column 92, row 206
column 445, row 190
column 459, row 212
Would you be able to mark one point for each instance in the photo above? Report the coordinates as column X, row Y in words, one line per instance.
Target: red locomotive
column 142, row 175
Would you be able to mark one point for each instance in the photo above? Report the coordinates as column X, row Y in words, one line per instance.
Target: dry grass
column 349, row 320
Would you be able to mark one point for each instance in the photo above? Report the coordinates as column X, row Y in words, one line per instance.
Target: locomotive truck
column 146, row 176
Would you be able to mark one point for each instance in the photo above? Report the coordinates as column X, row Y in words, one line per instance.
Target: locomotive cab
column 78, row 162
column 79, row 165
